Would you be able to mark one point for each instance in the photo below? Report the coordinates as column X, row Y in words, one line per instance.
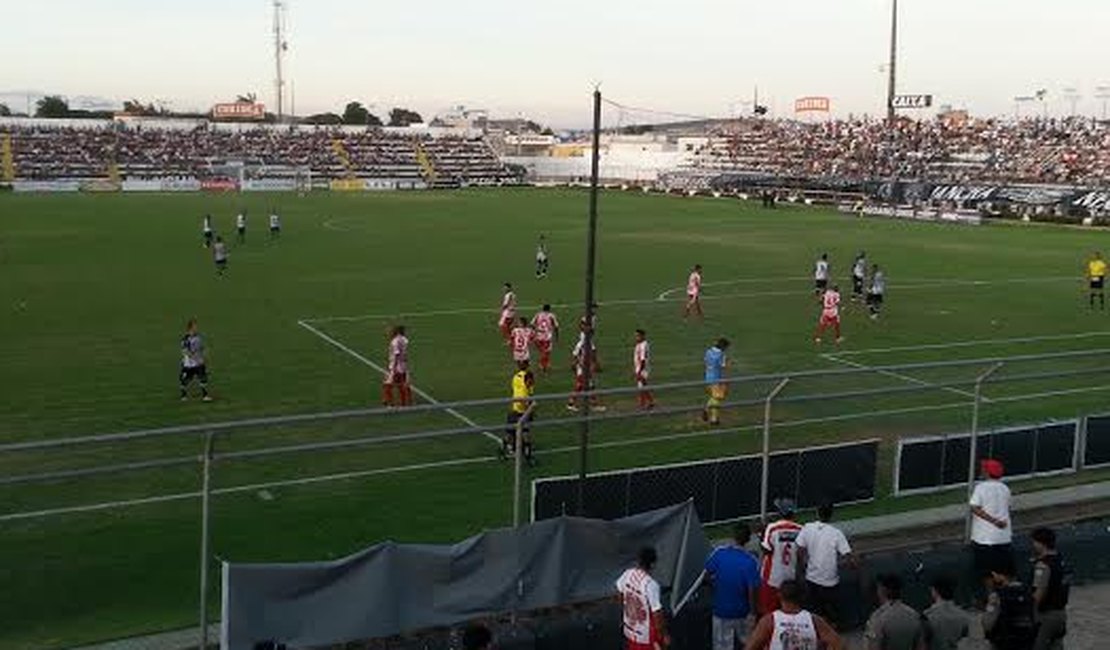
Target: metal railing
column 368, row 429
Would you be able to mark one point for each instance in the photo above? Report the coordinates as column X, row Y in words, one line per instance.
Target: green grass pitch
column 95, row 291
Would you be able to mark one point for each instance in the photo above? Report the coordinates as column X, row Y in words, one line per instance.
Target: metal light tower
column 280, row 46
column 1103, row 93
column 891, row 66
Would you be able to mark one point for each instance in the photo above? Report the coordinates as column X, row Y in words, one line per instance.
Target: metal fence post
column 518, row 451
column 205, row 494
column 973, row 447
column 765, row 479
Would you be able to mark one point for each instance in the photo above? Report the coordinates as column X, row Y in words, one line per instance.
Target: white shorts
column 729, row 633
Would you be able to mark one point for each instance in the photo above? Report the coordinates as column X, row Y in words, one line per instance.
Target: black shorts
column 200, row 373
column 986, row 558
column 208, row 236
column 875, row 299
column 821, row 284
column 221, row 264
column 242, row 231
column 273, row 229
column 511, row 421
column 824, row 601
column 1097, row 283
column 857, row 285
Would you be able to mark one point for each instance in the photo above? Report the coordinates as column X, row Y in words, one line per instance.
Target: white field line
column 975, row 343
column 663, row 296
column 897, row 375
column 39, row 514
column 932, row 284
column 428, row 398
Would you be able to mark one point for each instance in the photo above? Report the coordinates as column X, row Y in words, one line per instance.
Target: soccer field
column 96, row 291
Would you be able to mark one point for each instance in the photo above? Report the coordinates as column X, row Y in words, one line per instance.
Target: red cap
column 992, row 468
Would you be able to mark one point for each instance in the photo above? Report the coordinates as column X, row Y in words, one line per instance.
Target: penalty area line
column 365, row 361
column 898, row 375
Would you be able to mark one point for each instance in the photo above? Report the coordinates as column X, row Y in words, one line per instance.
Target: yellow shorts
column 717, row 391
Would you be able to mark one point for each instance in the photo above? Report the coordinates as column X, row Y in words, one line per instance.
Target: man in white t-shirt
column 991, row 532
column 644, row 628
column 821, row 549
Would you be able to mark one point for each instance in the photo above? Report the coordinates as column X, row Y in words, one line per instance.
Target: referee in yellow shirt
column 523, row 386
column 1096, row 275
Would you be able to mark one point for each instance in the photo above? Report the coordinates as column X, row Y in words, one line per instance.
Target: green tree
column 404, row 117
column 373, row 120
column 355, row 113
column 323, row 118
column 4, row 110
column 51, row 106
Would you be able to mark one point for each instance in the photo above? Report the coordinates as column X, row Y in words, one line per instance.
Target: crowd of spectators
column 1072, row 151
column 71, row 153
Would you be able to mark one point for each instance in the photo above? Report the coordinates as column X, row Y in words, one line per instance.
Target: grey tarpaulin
column 391, row 588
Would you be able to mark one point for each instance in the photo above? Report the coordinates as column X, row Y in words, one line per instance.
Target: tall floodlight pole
column 587, row 349
column 1103, row 93
column 891, row 65
column 279, row 53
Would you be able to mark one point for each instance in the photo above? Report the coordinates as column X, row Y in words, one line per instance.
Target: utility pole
column 1103, row 93
column 893, row 62
column 279, row 53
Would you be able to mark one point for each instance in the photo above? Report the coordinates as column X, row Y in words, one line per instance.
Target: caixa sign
column 912, row 101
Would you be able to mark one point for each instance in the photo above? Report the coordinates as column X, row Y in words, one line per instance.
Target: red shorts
column 579, row 383
column 632, row 645
column 543, row 345
column 397, row 378
column 768, row 599
column 829, row 321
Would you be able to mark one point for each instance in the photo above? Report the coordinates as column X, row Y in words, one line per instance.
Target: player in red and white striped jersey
column 693, row 293
column 520, row 340
column 546, row 326
column 508, row 311
column 643, row 622
column 641, row 369
column 779, row 561
column 397, row 371
column 830, row 314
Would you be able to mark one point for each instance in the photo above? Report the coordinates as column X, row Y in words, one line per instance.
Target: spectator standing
column 821, row 548
column 945, row 622
column 991, row 532
column 1051, row 587
column 644, row 626
column 791, row 626
column 735, row 578
column 1009, row 619
column 894, row 625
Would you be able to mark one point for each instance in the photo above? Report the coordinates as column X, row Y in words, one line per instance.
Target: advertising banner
column 1093, row 201
column 100, row 185
column 142, row 185
column 181, row 184
column 219, row 185
column 46, row 186
column 269, row 185
column 912, row 101
column 347, row 185
column 239, row 111
column 812, row 104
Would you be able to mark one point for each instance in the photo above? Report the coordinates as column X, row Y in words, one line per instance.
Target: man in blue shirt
column 715, row 362
column 735, row 578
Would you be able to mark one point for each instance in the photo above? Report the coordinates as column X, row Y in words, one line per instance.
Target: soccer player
column 508, row 312
column 830, row 315
column 207, row 229
column 876, row 291
column 397, row 372
column 641, row 369
column 821, row 274
column 520, row 339
column 859, row 275
column 546, row 326
column 523, row 386
column 693, row 293
column 644, row 624
column 715, row 363
column 580, row 357
column 193, row 365
column 1096, row 276
column 780, row 559
column 275, row 225
column 541, row 258
column 219, row 254
column 241, row 226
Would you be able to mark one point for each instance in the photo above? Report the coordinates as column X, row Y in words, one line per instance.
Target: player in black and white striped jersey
column 193, row 366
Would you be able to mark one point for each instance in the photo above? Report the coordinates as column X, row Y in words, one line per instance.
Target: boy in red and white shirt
column 830, row 314
column 693, row 293
column 397, row 370
column 644, row 627
column 508, row 312
column 641, row 369
column 780, row 559
column 547, row 332
column 520, row 340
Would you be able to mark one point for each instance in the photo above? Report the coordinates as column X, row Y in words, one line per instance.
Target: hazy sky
column 543, row 57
